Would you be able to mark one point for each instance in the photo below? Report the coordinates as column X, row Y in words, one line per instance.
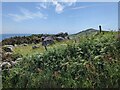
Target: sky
column 55, row 17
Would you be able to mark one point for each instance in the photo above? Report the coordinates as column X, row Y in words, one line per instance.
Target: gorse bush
column 93, row 63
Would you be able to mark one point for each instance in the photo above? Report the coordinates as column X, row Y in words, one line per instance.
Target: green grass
column 27, row 50
column 92, row 62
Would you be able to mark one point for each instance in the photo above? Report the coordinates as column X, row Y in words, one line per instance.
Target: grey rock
column 5, row 65
column 59, row 39
column 8, row 53
column 18, row 59
column 48, row 41
column 15, row 45
column 35, row 47
column 8, row 49
column 8, row 46
column 13, row 63
column 25, row 44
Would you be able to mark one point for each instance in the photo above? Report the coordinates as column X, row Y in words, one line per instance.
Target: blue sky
column 55, row 17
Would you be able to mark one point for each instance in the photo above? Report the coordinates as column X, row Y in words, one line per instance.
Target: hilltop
column 87, row 31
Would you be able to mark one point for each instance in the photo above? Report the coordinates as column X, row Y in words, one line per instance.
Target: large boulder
column 48, row 41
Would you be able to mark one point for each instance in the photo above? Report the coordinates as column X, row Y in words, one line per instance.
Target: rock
column 13, row 63
column 43, row 37
column 7, row 56
column 25, row 44
column 8, row 53
column 34, row 47
column 18, row 59
column 48, row 41
column 8, row 46
column 5, row 65
column 0, row 56
column 67, row 37
column 8, row 49
column 15, row 45
column 59, row 39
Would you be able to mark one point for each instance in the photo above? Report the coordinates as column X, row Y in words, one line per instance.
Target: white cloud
column 58, row 7
column 38, row 7
column 55, row 2
column 26, row 15
column 69, row 2
column 81, row 7
column 42, row 5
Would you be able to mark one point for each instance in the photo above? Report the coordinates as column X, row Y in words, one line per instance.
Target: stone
column 8, row 53
column 59, row 39
column 8, row 49
column 13, row 63
column 8, row 46
column 15, row 45
column 18, row 59
column 48, row 41
column 25, row 44
column 35, row 47
column 5, row 65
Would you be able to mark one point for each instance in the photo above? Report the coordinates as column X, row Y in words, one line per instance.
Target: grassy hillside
column 89, row 32
column 27, row 50
column 91, row 61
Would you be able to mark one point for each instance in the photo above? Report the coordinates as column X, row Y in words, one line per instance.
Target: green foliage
column 21, row 40
column 16, row 56
column 93, row 62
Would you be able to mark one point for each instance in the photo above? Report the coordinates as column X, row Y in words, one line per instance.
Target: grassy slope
column 69, row 65
column 27, row 50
